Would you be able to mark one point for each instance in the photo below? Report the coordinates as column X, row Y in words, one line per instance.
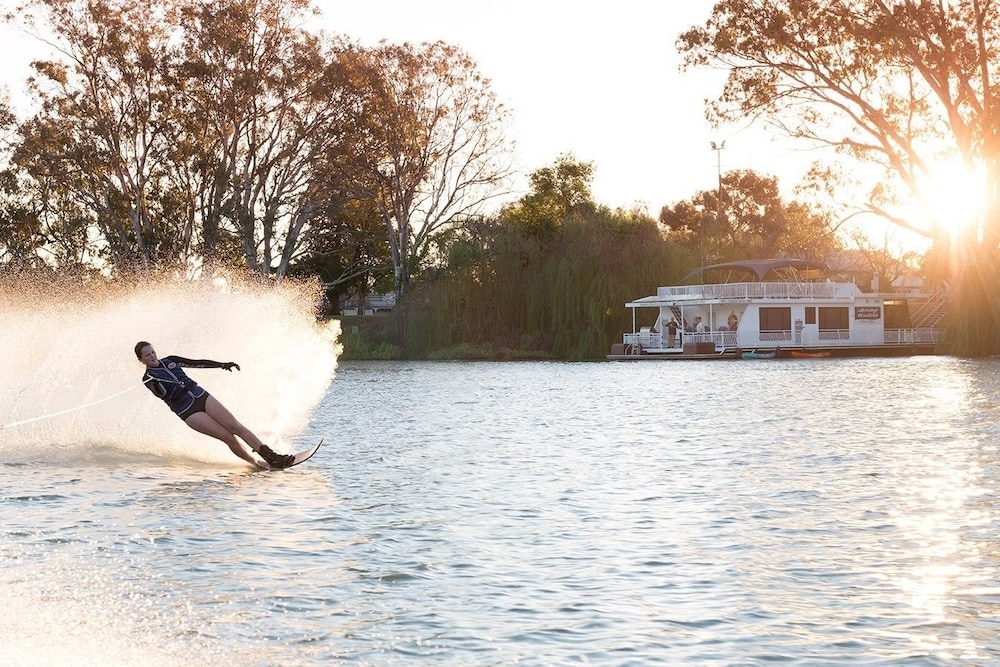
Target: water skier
column 200, row 410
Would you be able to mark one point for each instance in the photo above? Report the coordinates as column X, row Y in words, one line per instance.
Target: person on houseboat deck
column 732, row 322
column 200, row 410
column 671, row 332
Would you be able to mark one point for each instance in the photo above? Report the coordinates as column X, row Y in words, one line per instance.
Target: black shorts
column 198, row 405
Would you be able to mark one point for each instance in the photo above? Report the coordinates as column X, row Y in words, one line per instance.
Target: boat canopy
column 759, row 270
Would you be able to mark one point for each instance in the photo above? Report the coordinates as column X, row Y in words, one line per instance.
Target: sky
column 601, row 83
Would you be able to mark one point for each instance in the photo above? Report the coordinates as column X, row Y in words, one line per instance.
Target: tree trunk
column 975, row 307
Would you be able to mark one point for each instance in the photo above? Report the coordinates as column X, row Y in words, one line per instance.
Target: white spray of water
column 71, row 383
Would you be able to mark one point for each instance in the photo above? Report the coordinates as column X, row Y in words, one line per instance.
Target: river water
column 814, row 512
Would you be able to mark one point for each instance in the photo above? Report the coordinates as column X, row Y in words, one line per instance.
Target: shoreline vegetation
column 362, row 342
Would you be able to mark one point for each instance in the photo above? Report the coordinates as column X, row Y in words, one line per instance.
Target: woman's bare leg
column 205, row 423
column 225, row 418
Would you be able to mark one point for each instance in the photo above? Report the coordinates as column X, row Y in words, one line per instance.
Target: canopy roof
column 760, row 270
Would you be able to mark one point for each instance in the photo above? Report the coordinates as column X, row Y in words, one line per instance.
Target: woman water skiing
column 199, row 409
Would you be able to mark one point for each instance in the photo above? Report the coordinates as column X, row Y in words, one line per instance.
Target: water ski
column 300, row 457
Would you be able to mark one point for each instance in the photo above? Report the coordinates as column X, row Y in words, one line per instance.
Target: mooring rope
column 76, row 409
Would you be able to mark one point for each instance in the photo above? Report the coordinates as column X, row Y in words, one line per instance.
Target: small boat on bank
column 801, row 306
column 801, row 354
column 754, row 354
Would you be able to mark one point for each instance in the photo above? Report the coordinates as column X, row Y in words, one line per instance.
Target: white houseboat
column 781, row 306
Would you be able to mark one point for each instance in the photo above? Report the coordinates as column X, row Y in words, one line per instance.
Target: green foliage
column 512, row 296
column 348, row 251
column 547, row 278
column 368, row 338
column 748, row 218
column 466, row 352
column 556, row 192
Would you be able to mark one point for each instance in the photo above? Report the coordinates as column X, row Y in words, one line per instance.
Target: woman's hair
column 138, row 348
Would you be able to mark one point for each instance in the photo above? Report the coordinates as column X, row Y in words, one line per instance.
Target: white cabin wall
column 748, row 330
column 869, row 332
column 862, row 331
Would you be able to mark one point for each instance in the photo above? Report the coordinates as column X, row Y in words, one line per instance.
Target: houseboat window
column 775, row 319
column 834, row 318
column 811, row 315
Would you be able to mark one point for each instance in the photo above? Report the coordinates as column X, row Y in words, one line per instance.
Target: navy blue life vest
column 169, row 382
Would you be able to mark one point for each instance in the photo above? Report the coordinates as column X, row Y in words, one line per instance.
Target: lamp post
column 718, row 168
column 718, row 197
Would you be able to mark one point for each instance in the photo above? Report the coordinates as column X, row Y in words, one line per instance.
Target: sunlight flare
column 953, row 195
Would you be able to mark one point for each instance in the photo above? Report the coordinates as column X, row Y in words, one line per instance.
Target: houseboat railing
column 636, row 343
column 776, row 336
column 750, row 291
column 721, row 339
column 909, row 336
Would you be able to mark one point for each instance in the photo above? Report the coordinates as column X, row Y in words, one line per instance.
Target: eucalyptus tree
column 185, row 131
column 95, row 148
column 904, row 85
column 429, row 144
column 263, row 109
column 348, row 251
column 20, row 239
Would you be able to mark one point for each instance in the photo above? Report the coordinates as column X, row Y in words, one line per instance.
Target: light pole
column 718, row 168
column 718, row 196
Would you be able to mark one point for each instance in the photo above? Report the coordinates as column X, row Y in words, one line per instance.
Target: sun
column 953, row 197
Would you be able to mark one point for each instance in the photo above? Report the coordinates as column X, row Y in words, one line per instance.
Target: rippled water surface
column 705, row 513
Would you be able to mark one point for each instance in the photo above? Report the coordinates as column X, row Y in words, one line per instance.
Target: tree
column 751, row 221
column 901, row 85
column 186, row 130
column 504, row 294
column 886, row 264
column 429, row 148
column 95, row 150
column 263, row 108
column 556, row 192
column 20, row 239
column 347, row 251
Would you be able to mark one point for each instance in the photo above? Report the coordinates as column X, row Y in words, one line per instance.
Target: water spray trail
column 70, row 369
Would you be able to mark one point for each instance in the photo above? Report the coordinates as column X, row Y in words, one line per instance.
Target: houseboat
column 778, row 306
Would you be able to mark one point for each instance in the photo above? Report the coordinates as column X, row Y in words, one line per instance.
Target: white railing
column 753, row 291
column 721, row 339
column 908, row 336
column 933, row 309
column 636, row 342
column 777, row 335
column 644, row 340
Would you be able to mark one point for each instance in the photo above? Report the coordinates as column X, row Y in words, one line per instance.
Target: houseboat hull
column 879, row 351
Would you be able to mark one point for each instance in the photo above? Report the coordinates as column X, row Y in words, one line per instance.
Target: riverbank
column 370, row 338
